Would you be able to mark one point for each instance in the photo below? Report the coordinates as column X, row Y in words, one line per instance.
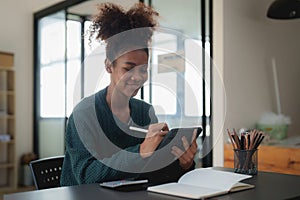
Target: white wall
column 245, row 41
column 16, row 36
column 283, row 43
column 250, row 41
column 219, row 98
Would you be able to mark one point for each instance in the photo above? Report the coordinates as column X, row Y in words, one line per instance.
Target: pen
column 138, row 129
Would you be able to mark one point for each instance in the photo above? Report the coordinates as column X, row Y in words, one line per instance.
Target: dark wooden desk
column 268, row 186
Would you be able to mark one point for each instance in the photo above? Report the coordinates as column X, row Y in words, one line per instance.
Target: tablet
column 163, row 156
column 173, row 137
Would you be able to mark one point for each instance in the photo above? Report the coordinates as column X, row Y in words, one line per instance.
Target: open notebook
column 202, row 183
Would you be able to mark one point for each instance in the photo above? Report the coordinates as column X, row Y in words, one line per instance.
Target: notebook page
column 210, row 178
column 187, row 191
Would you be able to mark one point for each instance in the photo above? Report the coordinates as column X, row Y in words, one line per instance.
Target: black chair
column 46, row 172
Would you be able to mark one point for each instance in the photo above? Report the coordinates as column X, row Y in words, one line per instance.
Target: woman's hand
column 156, row 133
column 186, row 158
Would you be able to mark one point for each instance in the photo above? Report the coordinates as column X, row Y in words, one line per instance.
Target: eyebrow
column 130, row 63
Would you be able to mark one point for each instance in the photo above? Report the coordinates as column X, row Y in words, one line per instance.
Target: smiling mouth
column 134, row 85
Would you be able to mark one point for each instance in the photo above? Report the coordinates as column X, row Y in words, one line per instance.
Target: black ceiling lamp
column 284, row 9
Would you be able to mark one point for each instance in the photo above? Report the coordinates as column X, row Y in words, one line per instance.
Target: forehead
column 138, row 57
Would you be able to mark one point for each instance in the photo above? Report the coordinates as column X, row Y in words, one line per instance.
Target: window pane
column 193, row 78
column 180, row 92
column 95, row 75
column 208, row 64
column 89, row 46
column 52, row 65
column 184, row 16
column 163, row 91
column 73, row 64
column 52, row 91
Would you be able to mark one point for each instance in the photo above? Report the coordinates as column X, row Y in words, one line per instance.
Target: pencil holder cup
column 245, row 161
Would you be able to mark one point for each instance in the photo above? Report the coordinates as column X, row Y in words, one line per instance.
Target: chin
column 133, row 93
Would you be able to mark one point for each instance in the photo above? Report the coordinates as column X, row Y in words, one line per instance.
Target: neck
column 118, row 103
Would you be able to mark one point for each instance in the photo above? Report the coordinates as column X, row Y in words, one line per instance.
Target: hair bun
column 112, row 19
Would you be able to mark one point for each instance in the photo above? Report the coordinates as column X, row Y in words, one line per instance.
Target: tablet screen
column 173, row 137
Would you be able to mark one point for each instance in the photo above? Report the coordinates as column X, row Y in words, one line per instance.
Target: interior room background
column 245, row 41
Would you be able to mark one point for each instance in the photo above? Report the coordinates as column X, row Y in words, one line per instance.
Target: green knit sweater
column 90, row 158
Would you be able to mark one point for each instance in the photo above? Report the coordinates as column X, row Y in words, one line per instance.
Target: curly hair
column 122, row 29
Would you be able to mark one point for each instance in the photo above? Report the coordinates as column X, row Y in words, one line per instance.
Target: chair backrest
column 46, row 172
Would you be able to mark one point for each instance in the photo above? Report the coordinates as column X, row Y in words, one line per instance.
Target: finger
column 194, row 143
column 194, row 147
column 165, row 127
column 163, row 133
column 188, row 155
column 176, row 152
column 160, row 127
column 185, row 143
column 194, row 135
column 155, row 128
column 183, row 157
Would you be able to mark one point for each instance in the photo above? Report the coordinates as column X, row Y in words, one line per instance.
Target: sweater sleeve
column 81, row 167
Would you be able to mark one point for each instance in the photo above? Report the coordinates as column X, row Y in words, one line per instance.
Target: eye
column 127, row 69
column 144, row 69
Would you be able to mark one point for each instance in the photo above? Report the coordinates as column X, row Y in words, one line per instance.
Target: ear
column 108, row 65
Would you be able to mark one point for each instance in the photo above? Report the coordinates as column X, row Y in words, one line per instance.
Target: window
column 52, row 71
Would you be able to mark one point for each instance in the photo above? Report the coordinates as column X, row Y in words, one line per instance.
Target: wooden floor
column 20, row 189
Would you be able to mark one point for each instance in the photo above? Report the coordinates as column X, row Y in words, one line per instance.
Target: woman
column 99, row 144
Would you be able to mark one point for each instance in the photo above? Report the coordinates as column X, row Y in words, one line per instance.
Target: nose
column 136, row 75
